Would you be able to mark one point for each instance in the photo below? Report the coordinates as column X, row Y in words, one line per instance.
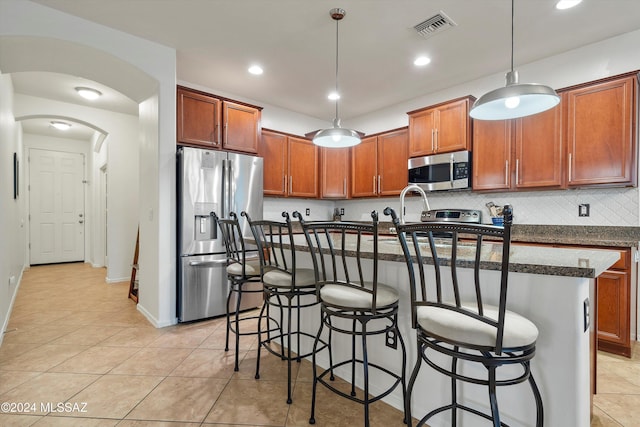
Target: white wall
column 12, row 212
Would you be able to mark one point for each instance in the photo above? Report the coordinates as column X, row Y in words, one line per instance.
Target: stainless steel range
column 452, row 215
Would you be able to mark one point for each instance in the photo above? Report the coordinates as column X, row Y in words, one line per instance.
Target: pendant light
column 336, row 137
column 515, row 99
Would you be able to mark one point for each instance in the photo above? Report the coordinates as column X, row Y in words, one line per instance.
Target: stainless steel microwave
column 447, row 171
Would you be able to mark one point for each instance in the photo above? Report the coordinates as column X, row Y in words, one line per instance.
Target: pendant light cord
column 337, row 93
column 512, row 18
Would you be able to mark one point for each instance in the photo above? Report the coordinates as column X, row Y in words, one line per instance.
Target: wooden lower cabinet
column 613, row 288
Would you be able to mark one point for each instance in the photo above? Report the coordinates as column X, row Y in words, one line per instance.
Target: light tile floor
column 73, row 338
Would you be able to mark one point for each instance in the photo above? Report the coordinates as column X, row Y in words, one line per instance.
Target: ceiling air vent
column 434, row 25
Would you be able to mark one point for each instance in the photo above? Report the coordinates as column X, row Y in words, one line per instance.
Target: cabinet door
column 613, row 312
column 241, row 127
column 303, row 168
column 198, row 119
column 452, row 131
column 600, row 139
column 393, row 156
column 364, row 169
column 422, row 129
column 491, row 154
column 273, row 150
column 334, row 172
column 538, row 145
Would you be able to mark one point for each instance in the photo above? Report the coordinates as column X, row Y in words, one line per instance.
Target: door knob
column 81, row 221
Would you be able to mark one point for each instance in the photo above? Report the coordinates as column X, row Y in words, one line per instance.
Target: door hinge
column 84, row 181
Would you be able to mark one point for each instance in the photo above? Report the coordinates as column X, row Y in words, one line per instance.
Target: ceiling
column 294, row 41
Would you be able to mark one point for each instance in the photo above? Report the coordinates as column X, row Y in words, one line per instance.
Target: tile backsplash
column 607, row 206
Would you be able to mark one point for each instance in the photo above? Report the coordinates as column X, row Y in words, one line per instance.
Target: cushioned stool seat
column 441, row 322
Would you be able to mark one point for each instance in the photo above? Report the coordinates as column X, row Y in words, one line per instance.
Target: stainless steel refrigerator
column 211, row 181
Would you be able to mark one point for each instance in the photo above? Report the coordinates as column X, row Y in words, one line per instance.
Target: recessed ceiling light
column 334, row 96
column 421, row 61
column 567, row 4
column 256, row 70
column 60, row 125
column 88, row 93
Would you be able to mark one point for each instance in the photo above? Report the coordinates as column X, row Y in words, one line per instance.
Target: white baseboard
column 155, row 322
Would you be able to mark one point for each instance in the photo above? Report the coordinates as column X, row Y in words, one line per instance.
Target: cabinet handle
column 437, row 139
column 290, row 184
column 433, row 132
column 506, row 172
column 284, row 183
column 517, row 171
column 374, row 184
column 344, row 186
column 569, row 179
column 379, row 186
column 226, row 132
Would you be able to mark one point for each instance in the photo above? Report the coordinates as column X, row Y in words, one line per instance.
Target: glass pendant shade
column 514, row 100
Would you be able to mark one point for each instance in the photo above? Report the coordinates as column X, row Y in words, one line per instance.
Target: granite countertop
column 544, row 260
column 582, row 235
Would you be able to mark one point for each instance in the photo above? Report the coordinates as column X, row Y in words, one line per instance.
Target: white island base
column 561, row 366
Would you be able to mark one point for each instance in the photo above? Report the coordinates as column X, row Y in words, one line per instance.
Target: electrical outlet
column 391, row 339
column 341, row 211
column 583, row 209
column 307, row 212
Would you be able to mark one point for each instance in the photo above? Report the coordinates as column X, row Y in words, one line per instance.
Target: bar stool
column 243, row 270
column 452, row 318
column 352, row 302
column 284, row 287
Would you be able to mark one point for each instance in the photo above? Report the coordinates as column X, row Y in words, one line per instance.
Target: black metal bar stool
column 452, row 318
column 243, row 270
column 353, row 302
column 286, row 287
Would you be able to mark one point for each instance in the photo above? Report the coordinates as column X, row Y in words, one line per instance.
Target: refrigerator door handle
column 207, row 263
column 228, row 187
column 224, row 211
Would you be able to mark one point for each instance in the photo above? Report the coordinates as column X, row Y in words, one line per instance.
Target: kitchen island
column 553, row 287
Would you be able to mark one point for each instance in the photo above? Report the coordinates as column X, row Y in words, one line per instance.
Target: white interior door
column 56, row 201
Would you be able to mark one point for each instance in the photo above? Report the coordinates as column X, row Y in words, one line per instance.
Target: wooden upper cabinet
column 538, row 150
column 379, row 165
column 207, row 121
column 364, row 168
column 241, row 127
column 273, row 150
column 393, row 156
column 600, row 135
column 198, row 119
column 518, row 154
column 290, row 165
column 492, row 143
column 303, row 168
column 334, row 182
column 440, row 129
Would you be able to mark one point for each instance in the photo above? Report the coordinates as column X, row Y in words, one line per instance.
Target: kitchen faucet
column 405, row 190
